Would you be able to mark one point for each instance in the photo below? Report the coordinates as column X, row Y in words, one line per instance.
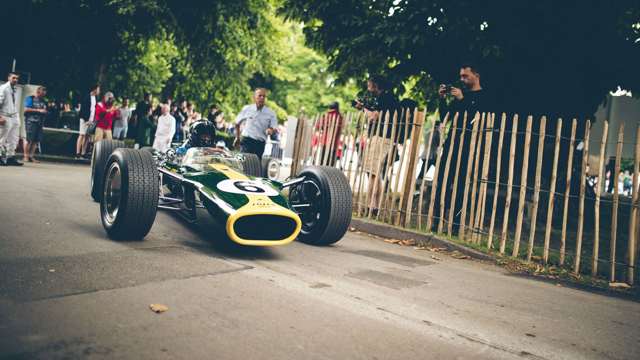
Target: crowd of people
column 104, row 116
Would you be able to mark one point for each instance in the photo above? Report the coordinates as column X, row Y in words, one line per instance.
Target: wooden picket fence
column 487, row 162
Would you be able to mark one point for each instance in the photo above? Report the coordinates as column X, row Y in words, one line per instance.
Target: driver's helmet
column 202, row 133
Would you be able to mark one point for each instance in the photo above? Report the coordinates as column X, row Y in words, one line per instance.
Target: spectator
column 143, row 123
column 213, row 113
column 165, row 130
column 121, row 123
column 106, row 112
column 9, row 122
column 259, row 122
column 331, row 126
column 219, row 122
column 177, row 114
column 380, row 101
column 68, row 117
column 87, row 115
column 35, row 113
column 53, row 113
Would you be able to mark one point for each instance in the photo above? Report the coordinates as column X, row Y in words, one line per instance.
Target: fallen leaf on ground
column 435, row 258
column 619, row 285
column 52, row 270
column 408, row 242
column 460, row 256
column 158, row 308
column 392, row 241
column 352, row 229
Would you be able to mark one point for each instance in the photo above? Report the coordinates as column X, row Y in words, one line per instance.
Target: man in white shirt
column 87, row 115
column 9, row 122
column 121, row 123
column 260, row 122
column 165, row 130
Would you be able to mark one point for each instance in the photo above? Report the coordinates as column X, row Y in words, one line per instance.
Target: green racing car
column 132, row 184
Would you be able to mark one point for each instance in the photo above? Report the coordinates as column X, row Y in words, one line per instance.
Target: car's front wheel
column 130, row 194
column 323, row 202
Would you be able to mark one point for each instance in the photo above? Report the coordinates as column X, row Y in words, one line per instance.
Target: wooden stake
column 552, row 193
column 599, row 185
column 378, row 166
column 389, row 170
column 616, row 202
column 426, row 170
column 474, row 179
column 633, row 221
column 536, row 189
column 414, row 153
column 467, row 183
column 485, row 179
column 567, row 193
column 445, row 175
column 434, row 181
column 497, row 188
column 583, row 183
column 507, row 203
column 399, row 184
column 452, row 206
column 523, row 188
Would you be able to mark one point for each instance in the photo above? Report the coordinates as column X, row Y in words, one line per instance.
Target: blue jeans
column 119, row 132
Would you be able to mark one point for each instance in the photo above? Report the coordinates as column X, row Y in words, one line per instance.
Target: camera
column 448, row 88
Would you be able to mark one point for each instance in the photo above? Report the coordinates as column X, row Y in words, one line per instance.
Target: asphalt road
column 67, row 291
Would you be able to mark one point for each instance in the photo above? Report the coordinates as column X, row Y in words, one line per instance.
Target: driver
column 202, row 133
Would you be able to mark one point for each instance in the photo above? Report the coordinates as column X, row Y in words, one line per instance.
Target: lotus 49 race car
column 132, row 184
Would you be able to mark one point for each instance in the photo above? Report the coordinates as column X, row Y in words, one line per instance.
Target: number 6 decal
column 246, row 187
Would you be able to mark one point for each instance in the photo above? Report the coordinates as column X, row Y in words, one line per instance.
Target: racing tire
column 130, row 194
column 251, row 165
column 148, row 149
column 102, row 150
column 270, row 168
column 327, row 219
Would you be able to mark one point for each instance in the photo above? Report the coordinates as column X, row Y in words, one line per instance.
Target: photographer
column 376, row 102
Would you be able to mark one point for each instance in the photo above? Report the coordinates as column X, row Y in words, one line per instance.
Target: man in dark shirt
column 469, row 98
column 35, row 112
column 143, row 123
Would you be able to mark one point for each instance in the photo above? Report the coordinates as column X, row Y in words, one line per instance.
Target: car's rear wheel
column 251, row 165
column 323, row 202
column 130, row 194
column 270, row 168
column 102, row 150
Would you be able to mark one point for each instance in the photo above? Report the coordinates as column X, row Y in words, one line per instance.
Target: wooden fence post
column 583, row 183
column 424, row 176
column 452, row 206
column 445, row 175
column 536, row 189
column 416, row 137
column 436, row 173
column 567, row 193
column 616, row 202
column 633, row 221
column 381, row 155
column 482, row 198
column 467, row 181
column 388, row 172
column 599, row 185
column 523, row 188
column 497, row 188
column 507, row 202
column 474, row 179
column 400, row 185
column 552, row 194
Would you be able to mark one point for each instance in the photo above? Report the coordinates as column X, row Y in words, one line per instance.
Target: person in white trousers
column 165, row 130
column 9, row 122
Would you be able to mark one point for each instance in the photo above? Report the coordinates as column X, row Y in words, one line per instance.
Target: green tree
column 553, row 57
